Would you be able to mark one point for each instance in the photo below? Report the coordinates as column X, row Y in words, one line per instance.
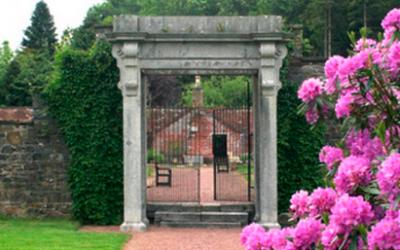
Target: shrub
column 298, row 146
column 359, row 208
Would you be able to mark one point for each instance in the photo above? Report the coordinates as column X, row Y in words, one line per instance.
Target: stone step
column 200, row 224
column 152, row 208
column 240, row 218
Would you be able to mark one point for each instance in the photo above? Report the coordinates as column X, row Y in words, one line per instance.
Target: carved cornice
column 272, row 55
column 126, row 56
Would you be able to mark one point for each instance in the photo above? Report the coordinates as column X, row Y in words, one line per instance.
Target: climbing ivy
column 87, row 104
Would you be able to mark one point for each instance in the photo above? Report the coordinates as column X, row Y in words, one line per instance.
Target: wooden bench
column 163, row 173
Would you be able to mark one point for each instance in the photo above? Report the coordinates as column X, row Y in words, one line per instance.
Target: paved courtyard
column 191, row 184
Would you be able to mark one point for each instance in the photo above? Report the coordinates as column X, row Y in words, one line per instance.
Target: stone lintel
column 197, row 24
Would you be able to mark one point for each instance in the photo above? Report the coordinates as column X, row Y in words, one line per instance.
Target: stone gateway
column 145, row 45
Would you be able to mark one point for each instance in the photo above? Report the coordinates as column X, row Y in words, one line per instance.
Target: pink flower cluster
column 310, row 89
column 388, row 176
column 394, row 58
column 253, row 237
column 391, row 20
column 321, row 201
column 331, row 73
column 343, row 105
column 360, row 143
column 330, row 156
column 299, row 204
column 350, row 212
column 354, row 171
column 307, row 232
column 364, row 43
column 385, row 234
column 361, row 203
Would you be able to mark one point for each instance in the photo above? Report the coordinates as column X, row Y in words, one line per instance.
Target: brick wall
column 33, row 165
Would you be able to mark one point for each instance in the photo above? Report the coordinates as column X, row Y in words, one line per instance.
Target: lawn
column 29, row 234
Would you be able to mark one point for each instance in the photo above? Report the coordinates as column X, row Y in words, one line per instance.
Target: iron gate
column 199, row 154
column 232, row 149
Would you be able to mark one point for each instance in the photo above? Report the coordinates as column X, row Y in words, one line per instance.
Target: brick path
column 187, row 182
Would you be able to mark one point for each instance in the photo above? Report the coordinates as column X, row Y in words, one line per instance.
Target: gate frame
column 244, row 45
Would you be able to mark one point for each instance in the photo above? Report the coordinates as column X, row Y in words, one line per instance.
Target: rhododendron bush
column 359, row 207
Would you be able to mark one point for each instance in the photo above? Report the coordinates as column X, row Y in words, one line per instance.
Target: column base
column 270, row 225
column 133, row 226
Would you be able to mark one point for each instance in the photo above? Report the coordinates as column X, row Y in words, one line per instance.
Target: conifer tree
column 41, row 34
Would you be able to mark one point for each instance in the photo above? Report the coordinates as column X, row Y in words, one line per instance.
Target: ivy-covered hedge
column 298, row 146
column 87, row 104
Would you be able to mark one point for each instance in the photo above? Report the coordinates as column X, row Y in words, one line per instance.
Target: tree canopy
column 41, row 34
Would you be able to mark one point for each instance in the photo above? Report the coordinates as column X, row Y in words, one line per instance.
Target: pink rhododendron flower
column 385, row 235
column 352, row 172
column 312, row 116
column 392, row 19
column 331, row 73
column 310, row 89
column 321, row 201
column 388, row 176
column 350, row 212
column 387, row 37
column 364, row 43
column 330, row 155
column 360, row 143
column 349, row 67
column 343, row 105
column 329, row 237
column 277, row 239
column 252, row 236
column 307, row 232
column 393, row 58
column 299, row 204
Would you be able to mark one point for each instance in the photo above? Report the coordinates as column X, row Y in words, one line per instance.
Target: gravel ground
column 165, row 238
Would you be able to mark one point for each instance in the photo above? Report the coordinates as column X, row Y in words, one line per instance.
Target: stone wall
column 33, row 165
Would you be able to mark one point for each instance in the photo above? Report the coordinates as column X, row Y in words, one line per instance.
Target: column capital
column 126, row 55
column 272, row 55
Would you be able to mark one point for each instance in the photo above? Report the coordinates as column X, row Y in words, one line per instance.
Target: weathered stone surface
column 198, row 25
column 33, row 166
column 198, row 45
column 14, row 137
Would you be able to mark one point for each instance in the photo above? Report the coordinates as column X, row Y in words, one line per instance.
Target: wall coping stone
column 20, row 115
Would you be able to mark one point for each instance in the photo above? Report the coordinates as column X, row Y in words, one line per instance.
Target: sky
column 15, row 16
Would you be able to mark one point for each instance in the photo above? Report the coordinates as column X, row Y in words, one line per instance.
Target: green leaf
column 380, row 131
column 371, row 190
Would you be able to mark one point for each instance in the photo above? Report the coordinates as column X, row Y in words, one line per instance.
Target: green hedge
column 87, row 104
column 298, row 146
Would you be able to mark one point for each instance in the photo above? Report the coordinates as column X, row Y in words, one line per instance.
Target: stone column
column 134, row 137
column 266, row 131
